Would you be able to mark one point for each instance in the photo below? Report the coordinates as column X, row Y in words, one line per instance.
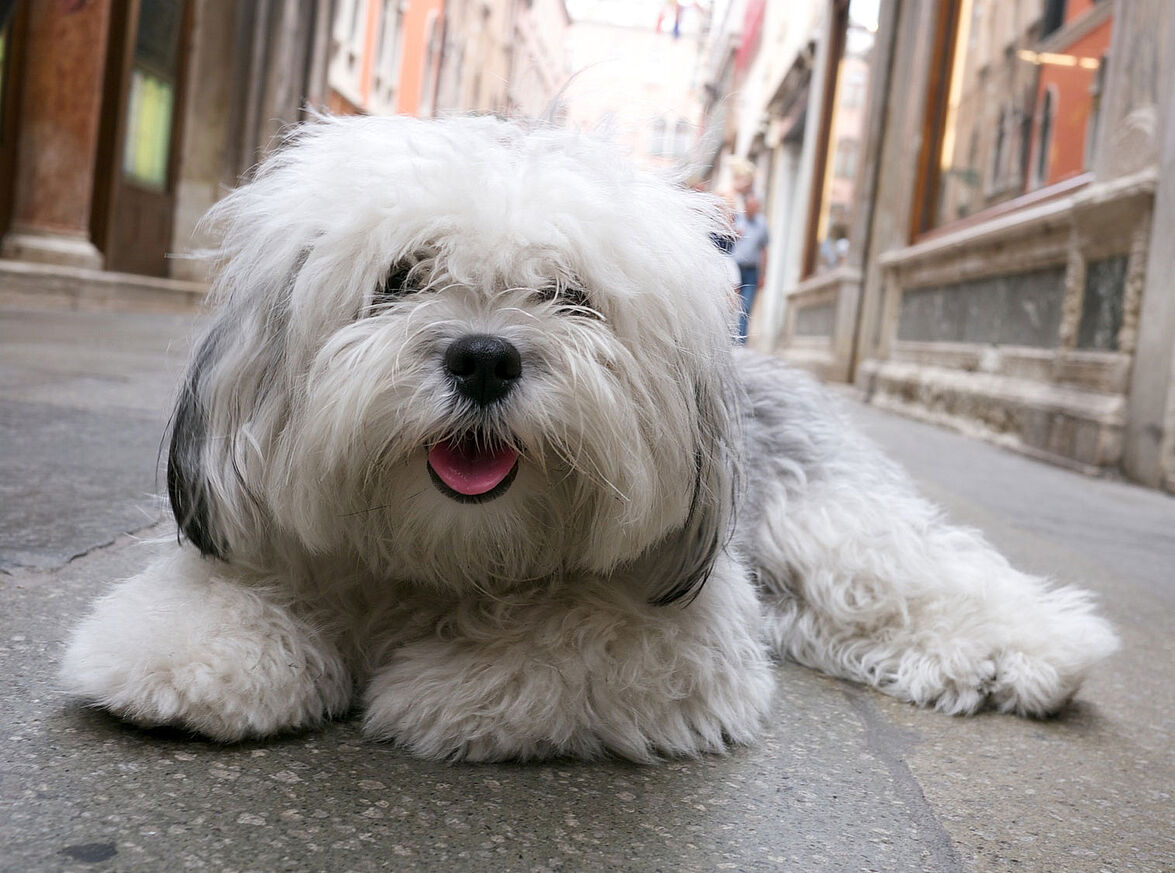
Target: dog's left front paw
column 439, row 703
column 453, row 702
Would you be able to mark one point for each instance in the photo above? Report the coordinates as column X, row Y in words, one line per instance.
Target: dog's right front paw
column 208, row 655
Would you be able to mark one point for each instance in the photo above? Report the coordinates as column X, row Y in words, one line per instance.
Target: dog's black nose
column 484, row 368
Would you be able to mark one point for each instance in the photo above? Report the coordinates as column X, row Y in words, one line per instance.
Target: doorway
column 135, row 185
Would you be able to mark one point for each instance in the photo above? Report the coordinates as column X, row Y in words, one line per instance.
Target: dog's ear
column 188, row 484
column 687, row 558
column 232, row 402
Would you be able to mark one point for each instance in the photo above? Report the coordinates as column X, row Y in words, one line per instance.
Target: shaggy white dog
column 468, row 438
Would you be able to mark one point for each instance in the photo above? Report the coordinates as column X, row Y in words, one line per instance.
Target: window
column 854, row 89
column 146, row 150
column 843, row 121
column 997, row 152
column 387, row 33
column 683, row 137
column 1053, row 17
column 386, row 65
column 1018, row 105
column 428, row 82
column 355, row 21
column 344, row 74
column 657, row 138
column 1044, row 142
column 845, row 164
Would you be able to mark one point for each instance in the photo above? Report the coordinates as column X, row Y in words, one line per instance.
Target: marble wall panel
column 1021, row 309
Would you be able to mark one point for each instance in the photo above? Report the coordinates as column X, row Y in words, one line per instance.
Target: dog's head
column 466, row 353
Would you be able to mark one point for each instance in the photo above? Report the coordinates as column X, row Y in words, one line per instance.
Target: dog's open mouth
column 472, row 469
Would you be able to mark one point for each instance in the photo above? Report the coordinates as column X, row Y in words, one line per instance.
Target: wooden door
column 11, row 58
column 145, row 84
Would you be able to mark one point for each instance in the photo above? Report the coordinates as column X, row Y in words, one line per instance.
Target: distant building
column 121, row 123
column 422, row 38
column 1072, row 55
column 538, row 58
column 364, row 69
column 385, row 56
column 762, row 75
column 475, row 59
column 654, row 108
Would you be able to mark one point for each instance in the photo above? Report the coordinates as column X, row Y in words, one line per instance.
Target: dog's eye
column 575, row 296
column 401, row 279
column 571, row 299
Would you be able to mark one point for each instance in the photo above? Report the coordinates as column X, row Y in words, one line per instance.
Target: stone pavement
column 846, row 779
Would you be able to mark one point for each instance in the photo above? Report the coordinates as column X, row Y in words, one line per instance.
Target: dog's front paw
column 959, row 684
column 951, row 680
column 442, row 702
column 642, row 696
column 174, row 647
column 1040, row 676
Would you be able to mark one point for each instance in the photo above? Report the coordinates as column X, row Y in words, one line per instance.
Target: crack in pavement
column 889, row 745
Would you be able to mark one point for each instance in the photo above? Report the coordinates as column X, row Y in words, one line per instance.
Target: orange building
column 422, row 27
column 1071, row 60
column 385, row 56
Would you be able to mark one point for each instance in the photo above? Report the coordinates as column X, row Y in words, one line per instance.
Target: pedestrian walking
column 750, row 254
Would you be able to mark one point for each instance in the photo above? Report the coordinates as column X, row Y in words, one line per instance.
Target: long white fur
column 529, row 626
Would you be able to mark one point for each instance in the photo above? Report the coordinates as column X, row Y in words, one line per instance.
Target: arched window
column 844, row 164
column 1094, row 122
column 1048, row 109
column 997, row 151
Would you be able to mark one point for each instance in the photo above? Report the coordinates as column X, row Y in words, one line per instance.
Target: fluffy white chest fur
column 468, row 442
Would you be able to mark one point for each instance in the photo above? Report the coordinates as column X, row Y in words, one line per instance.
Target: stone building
column 1008, row 257
column 504, row 57
column 122, row 122
column 385, row 56
column 475, row 61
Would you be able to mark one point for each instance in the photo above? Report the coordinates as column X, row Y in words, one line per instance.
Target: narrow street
column 846, row 779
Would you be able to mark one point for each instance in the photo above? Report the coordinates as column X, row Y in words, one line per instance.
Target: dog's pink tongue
column 469, row 469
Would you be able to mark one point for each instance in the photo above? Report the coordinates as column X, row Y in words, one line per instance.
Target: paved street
column 846, row 779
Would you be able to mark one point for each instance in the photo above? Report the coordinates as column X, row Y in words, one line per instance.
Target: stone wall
column 1022, row 329
column 1048, row 326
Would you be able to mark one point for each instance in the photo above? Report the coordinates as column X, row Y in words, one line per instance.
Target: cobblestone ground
column 845, row 780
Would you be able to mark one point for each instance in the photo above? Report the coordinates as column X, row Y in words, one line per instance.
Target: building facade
column 124, row 120
column 1001, row 259
column 538, row 61
column 385, row 56
column 637, row 74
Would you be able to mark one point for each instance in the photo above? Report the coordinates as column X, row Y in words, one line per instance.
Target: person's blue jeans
column 748, row 280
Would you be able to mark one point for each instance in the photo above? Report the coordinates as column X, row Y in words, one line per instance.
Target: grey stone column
column 1150, row 423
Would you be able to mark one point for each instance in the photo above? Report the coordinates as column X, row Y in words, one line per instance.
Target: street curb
column 23, row 283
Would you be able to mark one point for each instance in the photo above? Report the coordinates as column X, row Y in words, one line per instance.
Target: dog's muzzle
column 477, row 467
